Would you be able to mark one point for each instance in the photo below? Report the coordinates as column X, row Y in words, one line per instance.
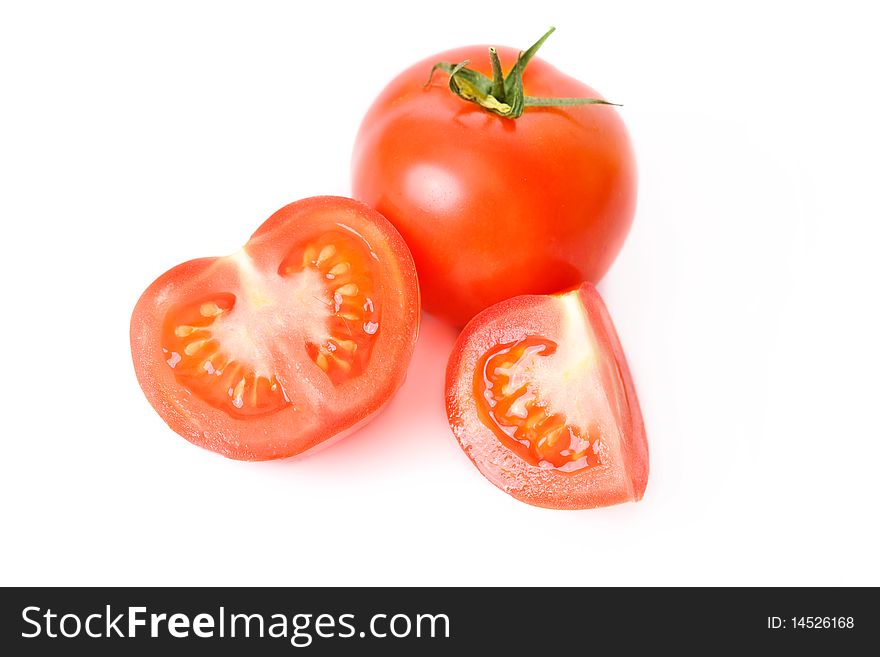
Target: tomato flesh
column 539, row 396
column 341, row 259
column 300, row 336
column 202, row 364
column 511, row 406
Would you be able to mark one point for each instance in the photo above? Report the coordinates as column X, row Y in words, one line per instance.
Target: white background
column 135, row 136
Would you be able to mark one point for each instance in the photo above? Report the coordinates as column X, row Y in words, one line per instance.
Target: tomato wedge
column 539, row 395
column 303, row 334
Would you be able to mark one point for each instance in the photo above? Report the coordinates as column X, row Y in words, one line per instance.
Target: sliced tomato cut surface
column 301, row 335
column 539, row 395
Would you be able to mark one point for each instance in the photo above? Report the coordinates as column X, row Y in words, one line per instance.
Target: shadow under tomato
column 416, row 414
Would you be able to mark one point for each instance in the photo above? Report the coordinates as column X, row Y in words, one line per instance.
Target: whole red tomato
column 494, row 206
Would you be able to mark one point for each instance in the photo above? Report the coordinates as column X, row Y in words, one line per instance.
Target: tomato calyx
column 502, row 95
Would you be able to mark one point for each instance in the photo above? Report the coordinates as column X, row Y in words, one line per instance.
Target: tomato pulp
column 494, row 207
column 303, row 334
column 540, row 397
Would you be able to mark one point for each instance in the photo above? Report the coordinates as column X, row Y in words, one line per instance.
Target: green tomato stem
column 503, row 95
column 497, row 75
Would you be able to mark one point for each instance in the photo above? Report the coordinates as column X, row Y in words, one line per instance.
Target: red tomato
column 539, row 396
column 493, row 207
column 303, row 334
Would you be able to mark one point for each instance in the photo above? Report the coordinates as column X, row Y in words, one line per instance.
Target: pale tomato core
column 323, row 291
column 510, row 404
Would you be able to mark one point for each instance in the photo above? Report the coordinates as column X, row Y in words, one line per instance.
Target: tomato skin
column 494, row 207
column 319, row 409
column 622, row 476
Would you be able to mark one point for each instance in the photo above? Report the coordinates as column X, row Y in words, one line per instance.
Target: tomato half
column 539, row 395
column 303, row 334
column 494, row 207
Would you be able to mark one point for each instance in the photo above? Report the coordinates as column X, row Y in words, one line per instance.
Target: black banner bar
column 428, row 621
